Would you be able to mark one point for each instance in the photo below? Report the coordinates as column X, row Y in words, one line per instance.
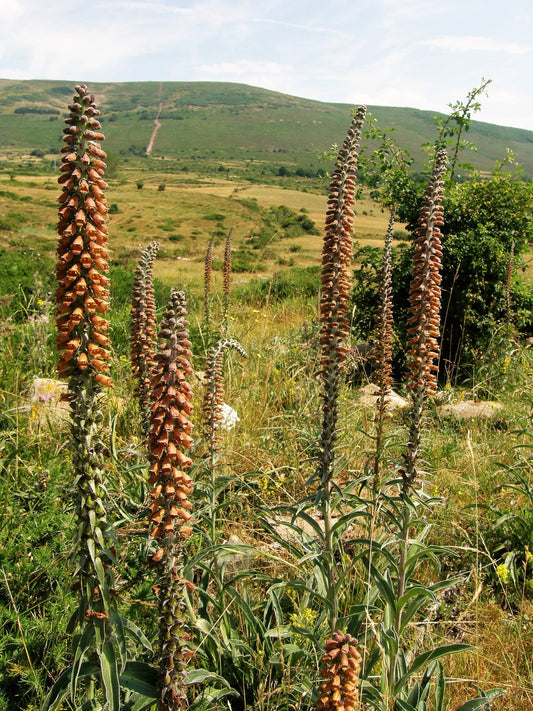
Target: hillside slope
column 226, row 122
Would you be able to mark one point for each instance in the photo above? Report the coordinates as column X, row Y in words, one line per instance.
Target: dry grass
column 181, row 219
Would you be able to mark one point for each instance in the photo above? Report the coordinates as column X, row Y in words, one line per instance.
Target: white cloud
column 473, row 43
column 383, row 52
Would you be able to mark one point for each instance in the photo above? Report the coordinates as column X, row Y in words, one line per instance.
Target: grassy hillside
column 224, row 125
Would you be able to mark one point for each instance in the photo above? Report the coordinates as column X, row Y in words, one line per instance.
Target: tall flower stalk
column 423, row 348
column 208, row 273
column 213, row 414
column 424, row 313
column 226, row 283
column 334, row 309
column 169, row 517
column 382, row 351
column 142, row 330
column 82, row 301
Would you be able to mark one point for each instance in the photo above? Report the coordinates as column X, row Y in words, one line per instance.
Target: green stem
column 212, row 494
column 402, row 565
column 329, row 555
column 402, row 575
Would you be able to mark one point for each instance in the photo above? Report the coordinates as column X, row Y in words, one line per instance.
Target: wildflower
column 335, row 285
column 142, row 329
column 82, row 298
column 503, row 573
column 229, row 417
column 424, row 313
column 341, row 664
column 213, row 398
column 169, row 517
column 82, row 295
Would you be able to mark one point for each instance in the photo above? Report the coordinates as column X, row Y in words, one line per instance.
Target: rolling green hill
column 224, row 125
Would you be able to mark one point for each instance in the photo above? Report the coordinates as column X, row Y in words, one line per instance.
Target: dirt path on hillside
column 157, row 124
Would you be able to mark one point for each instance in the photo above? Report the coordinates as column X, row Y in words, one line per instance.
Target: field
column 259, row 599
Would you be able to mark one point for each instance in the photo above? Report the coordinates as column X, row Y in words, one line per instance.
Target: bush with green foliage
column 487, row 223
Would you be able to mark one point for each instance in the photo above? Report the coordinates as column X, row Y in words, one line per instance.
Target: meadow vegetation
column 309, row 529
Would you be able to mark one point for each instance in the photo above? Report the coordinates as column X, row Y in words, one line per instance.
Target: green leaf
column 83, row 645
column 481, row 701
column 110, row 675
column 426, row 658
column 403, row 705
column 135, row 633
column 385, row 587
column 139, row 703
column 117, row 623
column 199, row 676
column 139, row 670
column 311, row 522
column 60, row 689
column 439, row 688
column 100, row 572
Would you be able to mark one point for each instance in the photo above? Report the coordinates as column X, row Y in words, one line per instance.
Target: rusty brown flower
column 169, row 510
column 82, row 294
column 142, row 330
column 335, row 284
column 340, row 668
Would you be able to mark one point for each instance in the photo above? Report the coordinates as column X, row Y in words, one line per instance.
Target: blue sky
column 419, row 53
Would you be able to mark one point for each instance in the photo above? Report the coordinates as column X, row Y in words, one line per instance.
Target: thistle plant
column 169, row 517
column 334, row 309
column 82, row 301
column 142, row 330
column 382, row 351
column 340, row 667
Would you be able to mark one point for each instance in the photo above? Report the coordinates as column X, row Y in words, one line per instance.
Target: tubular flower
column 208, row 268
column 341, row 665
column 142, row 329
column 424, row 307
column 335, row 282
column 82, row 294
column 169, row 510
column 214, row 392
column 227, row 280
column 82, row 300
column 382, row 352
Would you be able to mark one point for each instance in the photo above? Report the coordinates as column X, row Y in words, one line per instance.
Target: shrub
column 285, row 284
column 482, row 220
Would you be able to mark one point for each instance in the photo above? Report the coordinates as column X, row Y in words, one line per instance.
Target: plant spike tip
column 424, row 311
column 83, row 287
column 142, row 330
column 169, row 517
column 335, row 283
